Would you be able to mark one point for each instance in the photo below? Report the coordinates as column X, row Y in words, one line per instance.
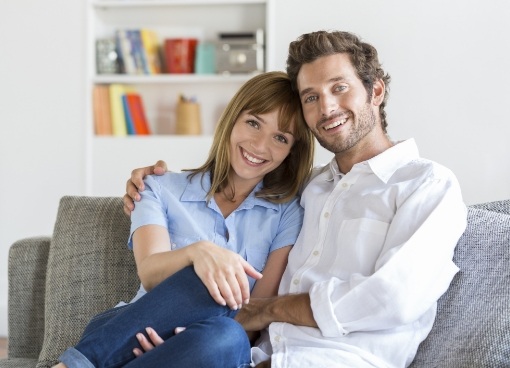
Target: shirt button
column 316, row 253
column 174, row 245
column 326, row 215
column 277, row 338
column 345, row 185
column 296, row 281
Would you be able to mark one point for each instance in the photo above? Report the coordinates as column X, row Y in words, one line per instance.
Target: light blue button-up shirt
column 256, row 228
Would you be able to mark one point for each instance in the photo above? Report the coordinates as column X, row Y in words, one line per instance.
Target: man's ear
column 378, row 91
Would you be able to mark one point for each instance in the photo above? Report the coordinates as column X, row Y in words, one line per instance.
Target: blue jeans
column 212, row 337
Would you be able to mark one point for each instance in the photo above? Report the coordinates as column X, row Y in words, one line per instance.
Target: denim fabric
column 211, row 339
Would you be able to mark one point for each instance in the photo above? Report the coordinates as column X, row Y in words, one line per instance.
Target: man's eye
column 340, row 88
column 311, row 99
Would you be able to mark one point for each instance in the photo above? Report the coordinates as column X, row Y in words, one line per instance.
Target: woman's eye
column 253, row 123
column 281, row 138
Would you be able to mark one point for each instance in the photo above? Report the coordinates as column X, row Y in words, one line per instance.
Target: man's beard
column 362, row 125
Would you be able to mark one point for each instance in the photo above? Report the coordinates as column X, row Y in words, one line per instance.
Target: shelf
column 147, row 3
column 171, row 78
column 110, row 159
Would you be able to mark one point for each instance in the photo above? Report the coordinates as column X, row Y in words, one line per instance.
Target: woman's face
column 257, row 146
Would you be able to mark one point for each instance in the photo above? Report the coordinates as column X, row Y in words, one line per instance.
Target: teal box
column 205, row 58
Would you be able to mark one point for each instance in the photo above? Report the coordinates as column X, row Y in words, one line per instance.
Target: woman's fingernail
column 247, row 301
column 149, row 330
column 139, row 336
column 179, row 329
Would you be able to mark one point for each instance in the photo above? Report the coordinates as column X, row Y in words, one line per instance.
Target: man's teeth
column 335, row 124
column 252, row 159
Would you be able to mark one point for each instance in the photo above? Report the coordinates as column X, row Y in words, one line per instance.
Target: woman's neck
column 230, row 198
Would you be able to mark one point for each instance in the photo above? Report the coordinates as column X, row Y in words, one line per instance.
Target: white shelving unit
column 111, row 159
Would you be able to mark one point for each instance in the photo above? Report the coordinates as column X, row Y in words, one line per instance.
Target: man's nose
column 328, row 104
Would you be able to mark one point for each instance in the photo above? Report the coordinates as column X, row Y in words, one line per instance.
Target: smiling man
column 381, row 224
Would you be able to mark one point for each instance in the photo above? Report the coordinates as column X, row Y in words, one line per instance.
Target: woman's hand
column 223, row 272
column 135, row 184
column 147, row 345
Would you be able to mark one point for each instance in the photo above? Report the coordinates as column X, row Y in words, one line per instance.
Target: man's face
column 335, row 103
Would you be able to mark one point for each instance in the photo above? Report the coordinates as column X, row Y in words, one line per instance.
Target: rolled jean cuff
column 72, row 358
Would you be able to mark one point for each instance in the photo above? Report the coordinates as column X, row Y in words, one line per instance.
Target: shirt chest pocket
column 257, row 257
column 181, row 240
column 360, row 244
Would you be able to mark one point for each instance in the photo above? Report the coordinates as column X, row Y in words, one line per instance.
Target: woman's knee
column 225, row 330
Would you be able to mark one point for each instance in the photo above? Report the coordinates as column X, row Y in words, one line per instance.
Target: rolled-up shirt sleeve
column 150, row 209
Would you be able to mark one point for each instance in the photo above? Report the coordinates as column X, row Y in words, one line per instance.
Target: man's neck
column 362, row 151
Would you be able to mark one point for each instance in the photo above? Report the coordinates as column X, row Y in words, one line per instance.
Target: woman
column 201, row 238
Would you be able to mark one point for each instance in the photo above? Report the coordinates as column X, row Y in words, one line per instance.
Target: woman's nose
column 258, row 143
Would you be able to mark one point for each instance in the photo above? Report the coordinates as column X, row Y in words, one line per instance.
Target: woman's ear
column 378, row 91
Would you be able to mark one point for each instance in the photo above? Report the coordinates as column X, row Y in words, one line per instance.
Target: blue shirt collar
column 197, row 188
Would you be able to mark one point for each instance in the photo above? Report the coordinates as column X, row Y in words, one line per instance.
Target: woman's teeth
column 251, row 158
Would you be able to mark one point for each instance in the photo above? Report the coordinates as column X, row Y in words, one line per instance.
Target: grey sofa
column 57, row 284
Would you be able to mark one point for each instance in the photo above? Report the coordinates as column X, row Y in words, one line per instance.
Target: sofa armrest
column 27, row 277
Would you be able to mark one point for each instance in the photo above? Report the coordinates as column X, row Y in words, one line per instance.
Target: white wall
column 448, row 59
column 41, row 118
column 449, row 62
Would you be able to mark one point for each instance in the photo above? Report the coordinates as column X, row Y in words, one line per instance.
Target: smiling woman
column 193, row 232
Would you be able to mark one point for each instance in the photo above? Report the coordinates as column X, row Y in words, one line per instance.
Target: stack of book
column 119, row 111
column 138, row 51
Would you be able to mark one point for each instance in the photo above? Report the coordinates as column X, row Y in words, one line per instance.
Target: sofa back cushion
column 472, row 327
column 90, row 269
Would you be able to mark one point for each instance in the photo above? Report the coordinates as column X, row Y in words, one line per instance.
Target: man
column 375, row 251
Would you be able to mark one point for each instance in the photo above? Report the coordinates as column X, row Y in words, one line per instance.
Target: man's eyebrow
column 331, row 80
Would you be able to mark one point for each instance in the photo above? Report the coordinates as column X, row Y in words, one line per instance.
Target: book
column 137, row 114
column 151, row 50
column 102, row 115
column 130, row 128
column 125, row 52
column 118, row 117
column 137, row 51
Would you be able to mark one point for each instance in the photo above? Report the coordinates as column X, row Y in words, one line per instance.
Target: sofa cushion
column 89, row 269
column 496, row 206
column 27, row 270
column 472, row 327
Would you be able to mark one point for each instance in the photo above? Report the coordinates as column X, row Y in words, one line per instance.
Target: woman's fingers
column 147, row 344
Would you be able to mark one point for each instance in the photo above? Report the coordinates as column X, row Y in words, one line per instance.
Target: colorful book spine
column 102, row 114
column 137, row 114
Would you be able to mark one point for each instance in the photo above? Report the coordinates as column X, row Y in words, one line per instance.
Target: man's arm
column 135, row 184
column 292, row 308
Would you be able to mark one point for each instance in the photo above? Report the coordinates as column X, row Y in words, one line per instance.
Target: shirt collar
column 384, row 164
column 197, row 188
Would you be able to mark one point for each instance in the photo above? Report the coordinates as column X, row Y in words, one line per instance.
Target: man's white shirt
column 375, row 254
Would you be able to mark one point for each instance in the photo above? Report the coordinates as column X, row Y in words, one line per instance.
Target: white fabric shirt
column 375, row 254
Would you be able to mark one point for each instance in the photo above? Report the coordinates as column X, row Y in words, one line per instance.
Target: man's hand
column 256, row 315
column 291, row 308
column 135, row 184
